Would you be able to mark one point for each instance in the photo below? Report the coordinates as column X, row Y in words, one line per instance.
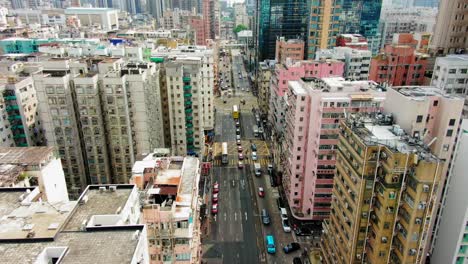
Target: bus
column 235, row 112
column 224, row 154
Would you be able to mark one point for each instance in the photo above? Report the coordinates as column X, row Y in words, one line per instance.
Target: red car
column 261, row 192
column 215, row 187
column 215, row 197
column 241, row 156
column 214, row 209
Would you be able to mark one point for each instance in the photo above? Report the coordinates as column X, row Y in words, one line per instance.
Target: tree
column 239, row 28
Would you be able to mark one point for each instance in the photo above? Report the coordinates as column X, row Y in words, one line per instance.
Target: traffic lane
column 247, row 123
column 228, row 128
column 275, row 228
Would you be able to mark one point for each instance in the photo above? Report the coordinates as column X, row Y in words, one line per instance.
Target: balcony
column 12, row 107
column 23, row 144
column 13, row 117
column 187, row 95
column 17, row 127
column 19, row 136
column 188, row 118
column 187, row 87
column 188, row 125
column 10, row 97
column 186, row 79
column 188, row 110
column 188, row 103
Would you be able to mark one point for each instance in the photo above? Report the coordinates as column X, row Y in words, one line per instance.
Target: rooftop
column 455, row 58
column 23, row 216
column 25, row 156
column 421, row 93
column 106, row 246
column 339, row 84
column 98, row 202
column 378, row 129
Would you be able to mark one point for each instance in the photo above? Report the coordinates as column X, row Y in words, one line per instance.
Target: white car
column 254, row 155
column 284, row 214
column 286, row 226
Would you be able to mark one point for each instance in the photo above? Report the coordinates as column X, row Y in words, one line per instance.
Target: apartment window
column 419, row 119
column 301, row 119
column 436, row 103
column 296, row 193
column 449, row 132
column 302, row 109
column 298, row 157
column 452, row 70
column 452, row 122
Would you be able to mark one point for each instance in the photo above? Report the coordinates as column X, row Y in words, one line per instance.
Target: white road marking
column 214, row 218
column 225, row 216
column 235, row 216
column 245, row 216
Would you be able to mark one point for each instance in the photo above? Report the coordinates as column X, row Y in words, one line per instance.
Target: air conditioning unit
column 384, row 239
column 113, row 188
column 102, row 189
column 364, row 214
column 425, row 188
column 418, row 221
column 358, row 256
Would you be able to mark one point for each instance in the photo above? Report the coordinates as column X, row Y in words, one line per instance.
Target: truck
column 255, row 130
column 258, row 169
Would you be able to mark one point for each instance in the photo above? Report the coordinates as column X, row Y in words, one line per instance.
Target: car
column 237, row 124
column 242, row 89
column 216, row 187
column 238, row 132
column 270, row 169
column 241, row 156
column 272, row 181
column 253, row 147
column 215, row 197
column 291, row 247
column 265, row 217
column 297, row 260
column 240, row 164
column 214, row 208
column 239, row 148
column 254, row 155
column 284, row 214
column 238, row 137
column 261, row 192
column 238, row 142
column 238, row 86
column 286, row 227
column 280, row 203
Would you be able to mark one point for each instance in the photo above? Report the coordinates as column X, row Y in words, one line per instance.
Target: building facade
column 451, row 76
column 356, row 62
column 383, row 195
column 450, row 29
column 291, row 48
column 399, row 65
column 314, row 109
column 266, row 70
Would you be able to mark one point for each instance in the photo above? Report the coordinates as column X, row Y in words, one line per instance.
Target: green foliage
column 239, row 28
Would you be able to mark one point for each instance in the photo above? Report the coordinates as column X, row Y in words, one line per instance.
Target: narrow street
column 236, row 233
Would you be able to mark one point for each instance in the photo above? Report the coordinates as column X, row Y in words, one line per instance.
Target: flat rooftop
column 421, row 93
column 24, row 156
column 114, row 246
column 98, row 203
column 339, row 84
column 21, row 213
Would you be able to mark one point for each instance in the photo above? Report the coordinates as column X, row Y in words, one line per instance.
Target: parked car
column 241, row 156
column 215, row 197
column 286, row 226
column 270, row 169
column 284, row 214
column 273, row 181
column 261, row 192
column 215, row 187
column 239, row 148
column 280, row 203
column 214, row 208
column 291, row 247
column 265, row 217
column 238, row 137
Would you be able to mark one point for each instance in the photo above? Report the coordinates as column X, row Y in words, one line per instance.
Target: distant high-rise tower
column 17, row 4
column 280, row 18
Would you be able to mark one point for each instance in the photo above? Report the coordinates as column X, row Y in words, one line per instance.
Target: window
column 436, row 103
column 452, row 122
column 419, row 119
column 449, row 132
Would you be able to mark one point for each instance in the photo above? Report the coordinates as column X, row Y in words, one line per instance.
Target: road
column 235, row 233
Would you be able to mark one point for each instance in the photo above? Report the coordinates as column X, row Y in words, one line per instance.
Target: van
column 265, row 217
column 254, row 155
column 284, row 214
column 270, row 243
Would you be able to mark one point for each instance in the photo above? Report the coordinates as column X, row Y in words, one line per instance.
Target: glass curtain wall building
column 280, row 18
column 362, row 17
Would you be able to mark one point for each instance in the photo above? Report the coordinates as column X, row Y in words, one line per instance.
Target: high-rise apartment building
column 187, row 95
column 450, row 29
column 323, row 25
column 315, row 107
column 412, row 20
column 362, row 17
column 294, row 72
column 356, row 61
column 451, row 245
column 399, row 64
column 451, row 76
column 170, row 206
column 383, row 197
column 211, row 17
column 240, row 15
column 280, row 18
column 265, row 72
column 99, row 113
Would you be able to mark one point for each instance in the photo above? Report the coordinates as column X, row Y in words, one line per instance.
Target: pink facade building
column 170, row 208
column 197, row 24
column 399, row 65
column 285, row 72
column 291, row 48
column 314, row 109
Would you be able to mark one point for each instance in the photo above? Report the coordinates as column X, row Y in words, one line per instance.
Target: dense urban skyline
column 232, row 131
